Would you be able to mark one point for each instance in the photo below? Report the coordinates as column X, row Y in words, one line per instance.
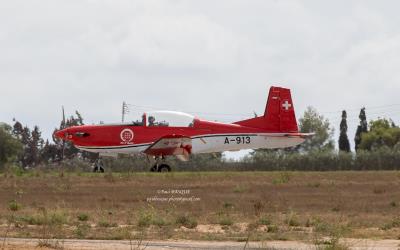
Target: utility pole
column 125, row 110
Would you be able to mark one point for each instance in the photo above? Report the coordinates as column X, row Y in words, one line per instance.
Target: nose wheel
column 98, row 166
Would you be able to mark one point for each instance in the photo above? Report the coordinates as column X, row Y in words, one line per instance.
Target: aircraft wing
column 178, row 145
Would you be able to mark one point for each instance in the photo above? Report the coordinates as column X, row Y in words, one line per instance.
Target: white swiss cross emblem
column 126, row 135
column 286, row 105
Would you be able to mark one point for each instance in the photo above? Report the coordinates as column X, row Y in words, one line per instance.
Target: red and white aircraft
column 165, row 133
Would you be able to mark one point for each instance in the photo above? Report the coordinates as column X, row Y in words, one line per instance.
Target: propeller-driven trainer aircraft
column 166, row 133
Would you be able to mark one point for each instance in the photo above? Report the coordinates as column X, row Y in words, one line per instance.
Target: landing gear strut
column 98, row 166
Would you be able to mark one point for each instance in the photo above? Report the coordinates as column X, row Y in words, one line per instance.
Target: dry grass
column 273, row 205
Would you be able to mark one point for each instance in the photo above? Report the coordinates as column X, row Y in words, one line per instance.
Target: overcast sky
column 216, row 59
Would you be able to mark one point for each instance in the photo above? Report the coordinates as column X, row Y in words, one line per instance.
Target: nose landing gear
column 98, row 166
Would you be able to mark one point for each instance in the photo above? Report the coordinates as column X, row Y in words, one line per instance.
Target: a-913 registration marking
column 238, row 140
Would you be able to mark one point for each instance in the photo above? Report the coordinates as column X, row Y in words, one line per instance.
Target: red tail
column 279, row 113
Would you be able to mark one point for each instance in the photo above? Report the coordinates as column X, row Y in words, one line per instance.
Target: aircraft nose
column 61, row 134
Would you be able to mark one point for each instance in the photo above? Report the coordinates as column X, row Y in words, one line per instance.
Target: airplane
column 167, row 133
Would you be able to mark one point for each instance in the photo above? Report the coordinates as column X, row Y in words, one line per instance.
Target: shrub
column 81, row 231
column 14, row 206
column 120, row 234
column 50, row 218
column 58, row 218
column 17, row 171
column 291, row 220
column 379, row 159
column 186, row 221
column 83, row 217
column 226, row 221
column 395, row 223
column 145, row 219
column 36, row 219
column 273, row 229
column 264, row 221
column 158, row 221
column 105, row 223
column 321, row 226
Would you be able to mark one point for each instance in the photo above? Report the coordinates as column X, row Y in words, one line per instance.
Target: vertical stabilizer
column 279, row 113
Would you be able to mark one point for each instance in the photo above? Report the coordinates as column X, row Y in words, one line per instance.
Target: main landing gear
column 159, row 166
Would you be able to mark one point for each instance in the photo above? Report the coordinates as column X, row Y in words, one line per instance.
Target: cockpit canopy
column 169, row 119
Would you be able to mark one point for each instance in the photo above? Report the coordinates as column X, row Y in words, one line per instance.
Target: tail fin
column 279, row 113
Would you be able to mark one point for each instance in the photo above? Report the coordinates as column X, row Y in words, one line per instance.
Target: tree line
column 26, row 147
column 377, row 146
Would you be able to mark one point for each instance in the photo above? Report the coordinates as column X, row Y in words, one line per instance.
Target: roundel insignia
column 126, row 135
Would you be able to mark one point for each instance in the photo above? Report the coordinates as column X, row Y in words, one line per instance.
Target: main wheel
column 164, row 168
column 153, row 168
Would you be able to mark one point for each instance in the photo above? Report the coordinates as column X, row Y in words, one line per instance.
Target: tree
column 18, row 129
column 344, row 144
column 49, row 153
column 382, row 133
column 312, row 122
column 32, row 143
column 10, row 147
column 362, row 128
column 35, row 145
column 25, row 156
column 35, row 150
